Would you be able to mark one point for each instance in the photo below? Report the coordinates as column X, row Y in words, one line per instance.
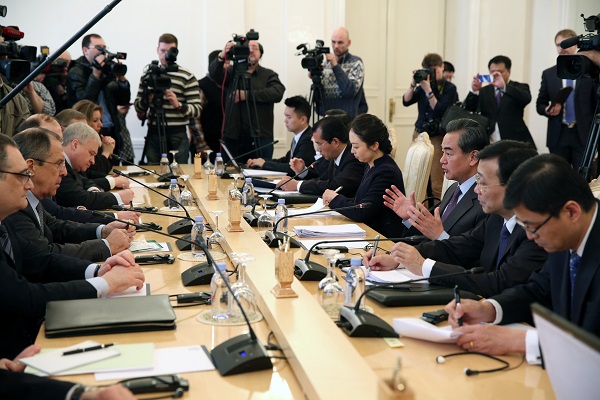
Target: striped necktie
column 40, row 212
column 5, row 242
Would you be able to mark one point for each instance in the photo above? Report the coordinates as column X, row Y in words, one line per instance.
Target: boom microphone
column 570, row 42
column 161, row 178
column 360, row 323
column 11, row 33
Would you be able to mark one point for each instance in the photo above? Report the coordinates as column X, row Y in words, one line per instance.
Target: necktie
column 504, row 236
column 570, row 106
column 573, row 267
column 5, row 242
column 293, row 148
column 452, row 204
column 498, row 96
column 40, row 211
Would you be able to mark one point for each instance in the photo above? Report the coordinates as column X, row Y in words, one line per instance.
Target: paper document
column 132, row 291
column 342, row 230
column 140, row 246
column 419, row 329
column 170, row 360
column 392, row 276
column 133, row 184
column 254, row 173
column 52, row 361
column 308, row 243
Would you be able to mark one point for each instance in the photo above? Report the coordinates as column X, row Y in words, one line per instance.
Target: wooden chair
column 418, row 166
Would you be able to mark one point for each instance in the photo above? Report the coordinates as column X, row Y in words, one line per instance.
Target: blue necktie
column 498, row 96
column 452, row 204
column 504, row 236
column 574, row 263
column 570, row 106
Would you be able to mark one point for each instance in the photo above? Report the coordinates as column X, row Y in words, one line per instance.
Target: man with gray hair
column 80, row 145
column 43, row 153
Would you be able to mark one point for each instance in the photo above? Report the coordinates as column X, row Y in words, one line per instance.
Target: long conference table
column 322, row 362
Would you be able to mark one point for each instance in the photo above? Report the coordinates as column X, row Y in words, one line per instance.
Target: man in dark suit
column 43, row 153
column 80, row 144
column 297, row 113
column 459, row 210
column 339, row 166
column 568, row 128
column 556, row 207
column 503, row 101
column 498, row 243
column 25, row 288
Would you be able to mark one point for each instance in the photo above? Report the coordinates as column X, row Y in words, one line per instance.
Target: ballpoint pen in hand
column 457, row 300
column 338, row 189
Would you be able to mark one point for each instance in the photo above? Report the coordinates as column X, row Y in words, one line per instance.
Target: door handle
column 392, row 109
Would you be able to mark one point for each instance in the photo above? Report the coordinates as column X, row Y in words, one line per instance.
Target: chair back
column 418, row 166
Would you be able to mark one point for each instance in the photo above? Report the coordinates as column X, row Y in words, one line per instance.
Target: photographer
column 91, row 77
column 343, row 77
column 434, row 95
column 265, row 90
column 55, row 80
column 179, row 103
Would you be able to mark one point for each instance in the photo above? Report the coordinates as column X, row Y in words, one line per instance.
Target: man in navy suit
column 556, row 208
column 459, row 210
column 503, row 101
column 568, row 129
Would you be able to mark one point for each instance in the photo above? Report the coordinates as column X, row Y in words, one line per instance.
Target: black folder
column 417, row 294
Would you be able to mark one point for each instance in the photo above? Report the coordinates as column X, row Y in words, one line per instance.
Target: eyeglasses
column 485, row 187
column 25, row 176
column 533, row 231
column 58, row 164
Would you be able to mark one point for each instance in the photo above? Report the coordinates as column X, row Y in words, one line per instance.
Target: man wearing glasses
column 558, row 211
column 498, row 243
column 93, row 242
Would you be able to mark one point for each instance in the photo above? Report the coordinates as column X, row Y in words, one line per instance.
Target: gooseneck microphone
column 243, row 353
column 306, row 270
column 274, row 142
column 181, row 244
column 180, row 227
column 280, row 184
column 274, row 238
column 161, row 178
column 360, row 323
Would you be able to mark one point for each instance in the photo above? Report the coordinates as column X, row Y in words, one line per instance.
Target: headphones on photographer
column 471, row 372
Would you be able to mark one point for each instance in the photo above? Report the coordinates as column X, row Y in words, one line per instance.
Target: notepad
column 343, row 230
column 52, row 362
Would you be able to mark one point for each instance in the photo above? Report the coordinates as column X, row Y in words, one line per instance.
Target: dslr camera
column 422, row 74
column 240, row 51
column 577, row 66
column 112, row 67
column 155, row 75
column 15, row 59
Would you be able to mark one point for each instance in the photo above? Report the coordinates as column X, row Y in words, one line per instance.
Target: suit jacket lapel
column 588, row 268
column 464, row 205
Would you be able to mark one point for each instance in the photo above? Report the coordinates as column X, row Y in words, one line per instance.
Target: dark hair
column 332, row 127
column 472, row 135
column 34, row 121
column 66, row 116
column 510, row 154
column 87, row 39
column 371, row 129
column 213, row 56
column 448, row 66
column 341, row 114
column 35, row 142
column 300, row 106
column 544, row 184
column 5, row 141
column 501, row 60
column 168, row 39
column 432, row 60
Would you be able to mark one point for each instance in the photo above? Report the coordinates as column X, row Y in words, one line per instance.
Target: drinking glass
column 241, row 290
column 186, row 197
column 331, row 293
column 265, row 221
column 217, row 237
column 174, row 165
column 330, row 254
column 208, row 166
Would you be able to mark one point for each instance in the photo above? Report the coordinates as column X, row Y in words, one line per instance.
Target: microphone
column 161, row 178
column 570, row 42
column 360, row 323
column 11, row 33
column 274, row 142
column 180, row 227
column 274, row 238
column 306, row 270
column 295, row 176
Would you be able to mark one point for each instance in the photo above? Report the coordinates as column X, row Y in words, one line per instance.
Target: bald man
column 343, row 76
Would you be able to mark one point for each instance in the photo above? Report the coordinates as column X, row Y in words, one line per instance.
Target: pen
column 457, row 300
column 375, row 244
column 338, row 189
column 86, row 349
column 131, row 205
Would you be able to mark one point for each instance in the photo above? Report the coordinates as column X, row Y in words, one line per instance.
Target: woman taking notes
column 371, row 145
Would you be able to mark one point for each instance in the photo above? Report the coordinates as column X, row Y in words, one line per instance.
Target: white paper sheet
column 342, row 230
column 254, row 173
column 419, row 329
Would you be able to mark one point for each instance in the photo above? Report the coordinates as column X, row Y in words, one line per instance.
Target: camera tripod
column 592, row 143
column 316, row 98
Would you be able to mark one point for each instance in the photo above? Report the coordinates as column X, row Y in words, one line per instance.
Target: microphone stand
column 181, row 243
column 306, row 270
column 161, row 178
column 180, row 227
column 242, row 353
column 360, row 323
column 274, row 238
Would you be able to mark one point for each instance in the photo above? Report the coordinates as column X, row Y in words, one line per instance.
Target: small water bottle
column 220, row 306
column 281, row 211
column 355, row 284
column 248, row 193
column 164, row 164
column 198, row 235
column 219, row 165
column 173, row 194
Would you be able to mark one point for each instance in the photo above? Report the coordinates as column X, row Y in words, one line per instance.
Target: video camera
column 240, row 52
column 577, row 66
column 313, row 60
column 422, row 74
column 155, row 75
column 16, row 66
column 112, row 67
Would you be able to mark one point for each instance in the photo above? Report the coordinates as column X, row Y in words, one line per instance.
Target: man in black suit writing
column 568, row 122
column 556, row 208
column 503, row 101
column 459, row 210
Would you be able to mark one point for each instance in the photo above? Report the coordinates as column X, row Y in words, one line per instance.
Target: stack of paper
column 253, row 173
column 392, row 276
column 343, row 230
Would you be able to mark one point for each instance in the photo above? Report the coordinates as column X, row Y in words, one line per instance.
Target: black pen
column 86, row 349
column 457, row 300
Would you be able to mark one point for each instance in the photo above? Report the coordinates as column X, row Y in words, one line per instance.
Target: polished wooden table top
column 322, row 361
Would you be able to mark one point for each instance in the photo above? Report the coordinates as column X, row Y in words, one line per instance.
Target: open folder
column 343, row 230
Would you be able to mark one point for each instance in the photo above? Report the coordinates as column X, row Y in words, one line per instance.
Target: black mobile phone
column 435, row 317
